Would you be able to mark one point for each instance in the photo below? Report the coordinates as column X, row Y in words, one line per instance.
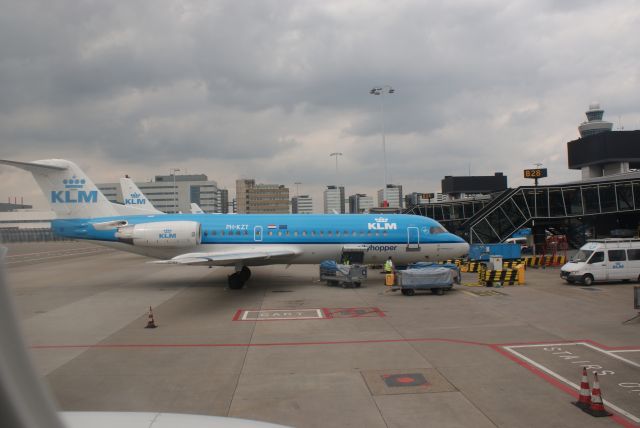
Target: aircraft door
column 413, row 238
column 257, row 233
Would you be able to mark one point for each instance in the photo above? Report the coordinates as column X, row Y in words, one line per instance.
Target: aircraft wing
column 256, row 255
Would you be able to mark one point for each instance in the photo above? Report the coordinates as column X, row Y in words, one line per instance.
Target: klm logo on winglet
column 74, row 193
column 167, row 234
column 135, row 199
column 382, row 224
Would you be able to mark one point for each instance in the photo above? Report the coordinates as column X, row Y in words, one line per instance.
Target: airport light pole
column 382, row 90
column 336, row 154
column 297, row 183
column 172, row 171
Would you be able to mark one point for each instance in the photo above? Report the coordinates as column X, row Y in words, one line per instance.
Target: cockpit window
column 434, row 230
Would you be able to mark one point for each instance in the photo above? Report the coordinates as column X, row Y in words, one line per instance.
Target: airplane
column 235, row 240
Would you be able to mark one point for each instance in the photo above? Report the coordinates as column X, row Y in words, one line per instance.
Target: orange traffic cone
column 151, row 323
column 597, row 406
column 584, row 400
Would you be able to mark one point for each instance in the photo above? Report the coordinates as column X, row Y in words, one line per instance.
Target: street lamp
column 172, row 171
column 382, row 90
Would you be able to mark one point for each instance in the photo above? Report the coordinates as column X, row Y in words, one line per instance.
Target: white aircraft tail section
column 69, row 191
column 195, row 209
column 133, row 197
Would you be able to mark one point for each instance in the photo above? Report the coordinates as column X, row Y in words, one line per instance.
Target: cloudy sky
column 268, row 89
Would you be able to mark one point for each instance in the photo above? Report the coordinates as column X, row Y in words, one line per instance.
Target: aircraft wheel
column 245, row 273
column 235, row 281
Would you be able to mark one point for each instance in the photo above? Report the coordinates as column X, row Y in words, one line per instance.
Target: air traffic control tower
column 601, row 152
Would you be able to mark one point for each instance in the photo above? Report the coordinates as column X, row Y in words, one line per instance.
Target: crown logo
column 73, row 183
column 381, row 220
column 166, row 231
column 135, row 195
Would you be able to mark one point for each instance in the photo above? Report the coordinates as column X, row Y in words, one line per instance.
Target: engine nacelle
column 174, row 234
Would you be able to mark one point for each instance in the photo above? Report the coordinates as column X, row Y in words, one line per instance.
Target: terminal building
column 605, row 203
column 252, row 198
column 175, row 193
column 302, row 204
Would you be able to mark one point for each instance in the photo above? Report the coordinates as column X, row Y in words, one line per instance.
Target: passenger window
column 337, row 233
column 597, row 257
column 304, row 233
column 617, row 256
column 295, row 233
column 287, row 233
column 633, row 254
column 353, row 233
column 329, row 233
column 279, row 233
column 213, row 233
column 313, row 233
column 270, row 233
column 205, row 233
column 222, row 232
column 238, row 233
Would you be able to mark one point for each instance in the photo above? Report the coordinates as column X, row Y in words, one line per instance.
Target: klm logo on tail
column 135, row 199
column 74, row 193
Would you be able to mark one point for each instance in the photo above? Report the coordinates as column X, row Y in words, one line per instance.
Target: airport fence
column 29, row 235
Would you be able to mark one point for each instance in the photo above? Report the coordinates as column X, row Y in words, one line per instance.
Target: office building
column 302, row 204
column 255, row 198
column 360, row 203
column 334, row 200
column 175, row 193
column 394, row 196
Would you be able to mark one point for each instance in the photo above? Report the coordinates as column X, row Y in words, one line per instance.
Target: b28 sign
column 535, row 173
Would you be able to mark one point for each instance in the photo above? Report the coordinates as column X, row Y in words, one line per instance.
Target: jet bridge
column 557, row 206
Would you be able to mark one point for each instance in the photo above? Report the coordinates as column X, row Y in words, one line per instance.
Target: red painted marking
column 353, row 312
column 236, row 317
column 405, row 379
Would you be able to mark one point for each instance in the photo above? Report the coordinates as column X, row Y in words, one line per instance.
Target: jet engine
column 176, row 234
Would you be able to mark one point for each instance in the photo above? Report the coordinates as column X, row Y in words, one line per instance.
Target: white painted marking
column 244, row 316
column 320, row 314
column 563, row 379
column 625, row 350
column 611, row 354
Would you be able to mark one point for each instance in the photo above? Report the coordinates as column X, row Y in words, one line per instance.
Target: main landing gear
column 236, row 280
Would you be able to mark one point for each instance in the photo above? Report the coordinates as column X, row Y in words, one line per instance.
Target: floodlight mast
column 382, row 90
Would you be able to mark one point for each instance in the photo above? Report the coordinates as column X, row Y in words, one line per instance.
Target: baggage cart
column 437, row 278
column 346, row 276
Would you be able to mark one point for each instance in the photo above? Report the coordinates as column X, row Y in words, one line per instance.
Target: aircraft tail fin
column 68, row 190
column 133, row 196
column 195, row 209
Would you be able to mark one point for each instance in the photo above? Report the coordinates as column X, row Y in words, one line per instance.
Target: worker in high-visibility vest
column 388, row 266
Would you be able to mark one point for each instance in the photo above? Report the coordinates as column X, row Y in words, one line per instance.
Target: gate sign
column 535, row 173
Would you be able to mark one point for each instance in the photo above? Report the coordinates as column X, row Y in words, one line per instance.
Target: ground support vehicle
column 346, row 276
column 604, row 260
column 421, row 276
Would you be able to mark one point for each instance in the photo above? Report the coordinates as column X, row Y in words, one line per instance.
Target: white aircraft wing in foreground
column 232, row 257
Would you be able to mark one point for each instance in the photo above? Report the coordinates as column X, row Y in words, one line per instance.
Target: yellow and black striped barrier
column 503, row 277
column 535, row 261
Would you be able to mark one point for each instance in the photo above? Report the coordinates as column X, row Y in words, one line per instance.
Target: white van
column 604, row 260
